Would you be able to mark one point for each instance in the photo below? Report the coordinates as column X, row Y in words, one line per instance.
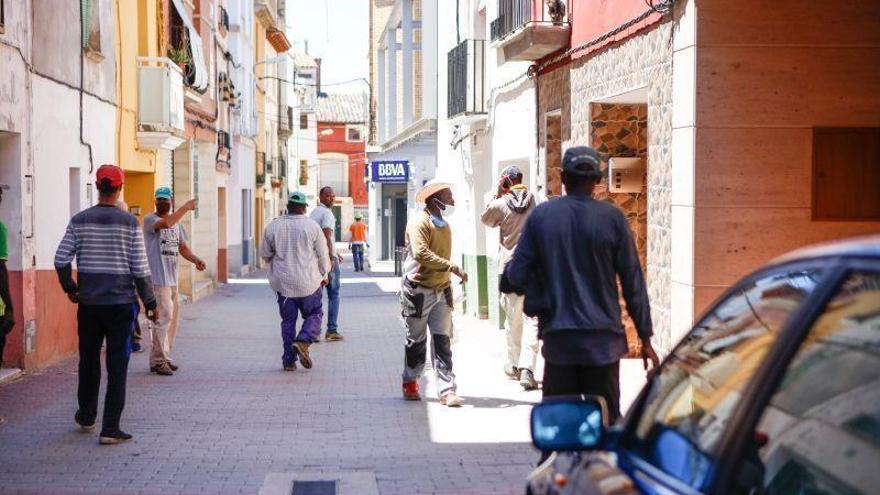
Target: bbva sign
column 389, row 171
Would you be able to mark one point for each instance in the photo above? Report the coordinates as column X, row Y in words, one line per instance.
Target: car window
column 695, row 392
column 822, row 427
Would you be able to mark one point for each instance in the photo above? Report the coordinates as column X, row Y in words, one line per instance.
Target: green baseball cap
column 358, row 216
column 164, row 193
column 298, row 197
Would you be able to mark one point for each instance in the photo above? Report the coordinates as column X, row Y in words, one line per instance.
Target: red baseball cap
column 112, row 172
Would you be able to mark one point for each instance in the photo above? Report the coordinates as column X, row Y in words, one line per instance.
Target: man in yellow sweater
column 426, row 293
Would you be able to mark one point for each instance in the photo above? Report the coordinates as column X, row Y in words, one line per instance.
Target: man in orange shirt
column 358, row 240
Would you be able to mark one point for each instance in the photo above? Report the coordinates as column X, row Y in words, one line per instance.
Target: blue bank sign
column 389, row 171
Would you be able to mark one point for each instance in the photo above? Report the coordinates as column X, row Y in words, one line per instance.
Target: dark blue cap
column 582, row 161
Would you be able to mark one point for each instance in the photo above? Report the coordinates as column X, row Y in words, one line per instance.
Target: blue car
column 776, row 390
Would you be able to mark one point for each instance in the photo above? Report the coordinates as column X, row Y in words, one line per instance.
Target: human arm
column 64, row 256
column 140, row 271
column 267, row 247
column 4, row 292
column 635, row 292
column 188, row 255
column 322, row 254
column 328, row 239
column 492, row 214
column 172, row 219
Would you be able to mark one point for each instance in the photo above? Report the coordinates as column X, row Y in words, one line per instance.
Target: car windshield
column 691, row 399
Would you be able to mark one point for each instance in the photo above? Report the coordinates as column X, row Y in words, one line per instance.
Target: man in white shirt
column 323, row 214
column 296, row 251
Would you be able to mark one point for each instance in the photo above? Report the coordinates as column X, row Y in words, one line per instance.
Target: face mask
column 445, row 210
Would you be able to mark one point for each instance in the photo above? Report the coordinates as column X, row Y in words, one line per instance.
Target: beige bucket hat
column 431, row 187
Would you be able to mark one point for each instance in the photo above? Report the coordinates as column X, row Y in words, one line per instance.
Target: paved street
column 231, row 419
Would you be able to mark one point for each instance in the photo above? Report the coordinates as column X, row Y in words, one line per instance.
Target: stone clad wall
column 641, row 62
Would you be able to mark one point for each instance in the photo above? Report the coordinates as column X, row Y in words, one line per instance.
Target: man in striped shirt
column 112, row 271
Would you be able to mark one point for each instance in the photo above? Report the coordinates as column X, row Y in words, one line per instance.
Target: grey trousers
column 426, row 309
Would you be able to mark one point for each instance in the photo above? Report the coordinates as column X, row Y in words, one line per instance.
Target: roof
column 341, row 108
column 304, row 61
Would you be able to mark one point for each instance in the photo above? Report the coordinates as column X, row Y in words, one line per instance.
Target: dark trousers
column 357, row 255
column 603, row 381
column 312, row 312
column 97, row 323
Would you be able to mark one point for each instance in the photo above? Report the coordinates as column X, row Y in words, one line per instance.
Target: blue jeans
column 333, row 299
column 312, row 312
column 357, row 254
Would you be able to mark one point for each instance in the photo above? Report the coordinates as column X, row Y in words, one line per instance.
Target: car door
column 672, row 436
column 820, row 433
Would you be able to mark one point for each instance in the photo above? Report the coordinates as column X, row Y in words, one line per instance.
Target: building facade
column 342, row 132
column 403, row 82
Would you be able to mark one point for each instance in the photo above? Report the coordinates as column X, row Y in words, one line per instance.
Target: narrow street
column 231, row 421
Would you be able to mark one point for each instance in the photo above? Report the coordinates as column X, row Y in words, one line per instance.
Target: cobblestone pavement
column 231, row 418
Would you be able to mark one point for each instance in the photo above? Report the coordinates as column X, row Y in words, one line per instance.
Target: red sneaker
column 411, row 390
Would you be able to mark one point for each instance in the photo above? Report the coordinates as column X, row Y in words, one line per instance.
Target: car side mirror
column 569, row 423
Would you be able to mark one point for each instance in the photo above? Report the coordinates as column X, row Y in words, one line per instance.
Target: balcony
column 160, row 104
column 267, row 13
column 528, row 30
column 466, row 89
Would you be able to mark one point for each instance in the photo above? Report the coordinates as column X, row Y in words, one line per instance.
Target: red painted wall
column 593, row 18
column 334, row 142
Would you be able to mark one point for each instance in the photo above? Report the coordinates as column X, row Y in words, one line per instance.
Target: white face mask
column 445, row 210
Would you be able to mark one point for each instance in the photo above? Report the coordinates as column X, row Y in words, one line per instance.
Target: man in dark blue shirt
column 570, row 255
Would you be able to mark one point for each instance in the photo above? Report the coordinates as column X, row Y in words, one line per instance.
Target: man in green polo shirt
column 7, row 320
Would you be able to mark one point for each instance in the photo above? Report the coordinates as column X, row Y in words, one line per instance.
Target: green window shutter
column 85, row 10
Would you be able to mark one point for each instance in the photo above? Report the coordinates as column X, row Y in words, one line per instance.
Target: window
column 2, row 16
column 846, row 173
column 823, row 423
column 303, row 121
column 690, row 401
column 90, row 11
column 353, row 134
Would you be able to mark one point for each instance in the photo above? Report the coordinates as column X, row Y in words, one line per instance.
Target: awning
column 199, row 79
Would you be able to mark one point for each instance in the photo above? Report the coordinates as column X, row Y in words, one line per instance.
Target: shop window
column 846, row 173
column 303, row 121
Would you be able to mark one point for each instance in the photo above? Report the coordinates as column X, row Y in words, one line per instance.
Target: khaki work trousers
column 165, row 330
column 522, row 333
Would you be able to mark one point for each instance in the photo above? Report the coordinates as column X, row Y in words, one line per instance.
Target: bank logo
column 389, row 171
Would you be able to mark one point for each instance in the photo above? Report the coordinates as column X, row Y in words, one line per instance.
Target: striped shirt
column 110, row 257
column 297, row 253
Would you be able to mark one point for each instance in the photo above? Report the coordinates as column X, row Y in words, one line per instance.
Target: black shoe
column 84, row 426
column 172, row 366
column 114, row 437
column 302, row 350
column 290, row 367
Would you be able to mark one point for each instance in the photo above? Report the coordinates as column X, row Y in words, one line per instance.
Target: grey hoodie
column 509, row 213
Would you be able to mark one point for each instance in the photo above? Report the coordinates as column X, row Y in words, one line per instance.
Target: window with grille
column 353, row 134
column 303, row 121
column 2, row 16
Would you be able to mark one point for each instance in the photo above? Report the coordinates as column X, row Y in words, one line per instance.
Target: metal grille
column 466, row 84
column 314, row 488
column 512, row 14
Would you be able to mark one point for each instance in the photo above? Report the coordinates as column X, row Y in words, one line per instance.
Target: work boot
column 511, row 371
column 114, row 437
column 84, row 426
column 527, row 379
column 302, row 351
column 411, row 390
column 450, row 399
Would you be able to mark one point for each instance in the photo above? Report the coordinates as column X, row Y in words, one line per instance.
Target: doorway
column 222, row 261
column 553, row 153
column 393, row 218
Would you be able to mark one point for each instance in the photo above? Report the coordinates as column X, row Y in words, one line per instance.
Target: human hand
column 73, row 296
column 191, row 205
column 460, row 274
column 338, row 258
column 648, row 354
column 447, row 292
column 200, row 265
column 153, row 315
column 503, row 186
column 325, row 282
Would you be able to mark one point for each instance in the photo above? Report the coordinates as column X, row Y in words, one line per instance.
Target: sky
column 337, row 31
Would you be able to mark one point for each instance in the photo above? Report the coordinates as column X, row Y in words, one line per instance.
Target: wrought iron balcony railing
column 466, row 85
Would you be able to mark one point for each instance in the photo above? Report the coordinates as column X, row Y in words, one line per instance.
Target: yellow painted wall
column 260, row 54
column 137, row 36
